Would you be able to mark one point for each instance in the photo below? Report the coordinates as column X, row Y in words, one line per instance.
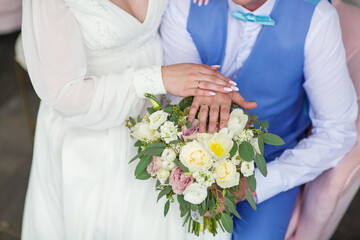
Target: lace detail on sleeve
column 149, row 80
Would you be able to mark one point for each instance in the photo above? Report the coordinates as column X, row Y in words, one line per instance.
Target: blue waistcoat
column 273, row 73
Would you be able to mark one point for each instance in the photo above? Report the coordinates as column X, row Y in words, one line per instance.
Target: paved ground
column 16, row 151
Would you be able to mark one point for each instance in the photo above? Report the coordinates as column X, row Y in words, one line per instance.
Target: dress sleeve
column 56, row 61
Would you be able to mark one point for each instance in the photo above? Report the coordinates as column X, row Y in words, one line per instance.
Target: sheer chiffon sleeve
column 56, row 61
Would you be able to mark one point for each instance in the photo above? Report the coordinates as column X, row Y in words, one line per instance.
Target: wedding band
column 198, row 85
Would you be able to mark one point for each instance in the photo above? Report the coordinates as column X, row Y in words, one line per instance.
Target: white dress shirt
column 333, row 106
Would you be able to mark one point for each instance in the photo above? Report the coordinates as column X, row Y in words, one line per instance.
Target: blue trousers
column 269, row 222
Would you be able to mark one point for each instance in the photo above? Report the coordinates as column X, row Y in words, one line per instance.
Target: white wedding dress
column 91, row 62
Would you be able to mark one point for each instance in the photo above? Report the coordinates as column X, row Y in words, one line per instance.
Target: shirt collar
column 264, row 10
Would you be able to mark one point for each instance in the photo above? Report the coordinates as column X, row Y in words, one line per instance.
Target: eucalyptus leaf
column 263, row 124
column 250, row 199
column 143, row 163
column 140, row 154
column 164, row 192
column 132, row 121
column 233, row 149
column 181, row 165
column 151, row 110
column 138, row 118
column 138, row 143
column 166, row 208
column 176, row 141
column 189, row 124
column 232, row 207
column 185, row 102
column 144, row 175
column 169, row 110
column 227, row 222
column 261, row 164
column 261, row 144
column 246, row 151
column 251, row 182
column 153, row 151
column 272, row 139
column 156, row 145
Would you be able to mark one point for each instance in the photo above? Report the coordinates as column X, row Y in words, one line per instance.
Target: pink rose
column 190, row 133
column 154, row 166
column 179, row 181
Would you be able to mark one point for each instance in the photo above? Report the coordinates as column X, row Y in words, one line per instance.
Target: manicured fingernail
column 234, row 88
column 200, row 3
column 232, row 82
column 212, row 93
column 216, row 66
column 194, row 1
column 206, row 2
column 228, row 89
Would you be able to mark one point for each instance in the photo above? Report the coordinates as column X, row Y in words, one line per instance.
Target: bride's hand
column 189, row 79
column 200, row 2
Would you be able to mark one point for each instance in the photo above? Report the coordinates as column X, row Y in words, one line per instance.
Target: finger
column 200, row 2
column 203, row 115
column 239, row 100
column 214, row 115
column 224, row 115
column 197, row 92
column 207, row 70
column 215, row 87
column 193, row 110
column 206, row 2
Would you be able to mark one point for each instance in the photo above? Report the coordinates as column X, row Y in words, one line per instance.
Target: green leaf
column 164, row 192
column 233, row 149
column 144, row 162
column 156, row 145
column 140, row 154
column 158, row 183
column 261, row 164
column 193, row 207
column 232, row 207
column 132, row 121
column 250, row 199
column 166, row 208
column 263, row 124
column 151, row 110
column 189, row 124
column 138, row 143
column 272, row 139
column 261, row 144
column 185, row 102
column 227, row 222
column 174, row 118
column 251, row 182
column 181, row 165
column 153, row 151
column 169, row 110
column 144, row 175
column 138, row 118
column 176, row 141
column 246, row 151
column 154, row 101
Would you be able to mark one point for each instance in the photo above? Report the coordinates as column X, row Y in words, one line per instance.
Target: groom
column 289, row 57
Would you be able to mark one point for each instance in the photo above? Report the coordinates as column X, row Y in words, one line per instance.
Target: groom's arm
column 177, row 43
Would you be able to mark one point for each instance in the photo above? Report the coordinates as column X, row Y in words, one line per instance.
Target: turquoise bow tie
column 263, row 20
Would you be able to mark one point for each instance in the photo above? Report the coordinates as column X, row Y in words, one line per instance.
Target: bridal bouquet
column 202, row 171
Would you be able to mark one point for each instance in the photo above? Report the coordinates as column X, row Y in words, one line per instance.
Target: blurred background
column 18, row 108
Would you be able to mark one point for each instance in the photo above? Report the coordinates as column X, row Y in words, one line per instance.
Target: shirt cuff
column 149, row 80
column 269, row 186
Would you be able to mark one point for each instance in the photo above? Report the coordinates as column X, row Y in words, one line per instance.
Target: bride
column 90, row 62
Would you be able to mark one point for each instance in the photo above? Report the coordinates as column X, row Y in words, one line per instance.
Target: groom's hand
column 214, row 106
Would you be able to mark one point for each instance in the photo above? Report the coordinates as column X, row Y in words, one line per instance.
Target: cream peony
column 226, row 174
column 168, row 155
column 195, row 157
column 195, row 193
column 143, row 132
column 247, row 168
column 157, row 119
column 220, row 144
column 237, row 121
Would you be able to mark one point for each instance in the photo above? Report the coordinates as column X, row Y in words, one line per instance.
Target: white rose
column 220, row 144
column 168, row 155
column 195, row 193
column 226, row 174
column 143, row 132
column 247, row 168
column 169, row 132
column 157, row 118
column 237, row 121
column 162, row 175
column 195, row 157
column 255, row 143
